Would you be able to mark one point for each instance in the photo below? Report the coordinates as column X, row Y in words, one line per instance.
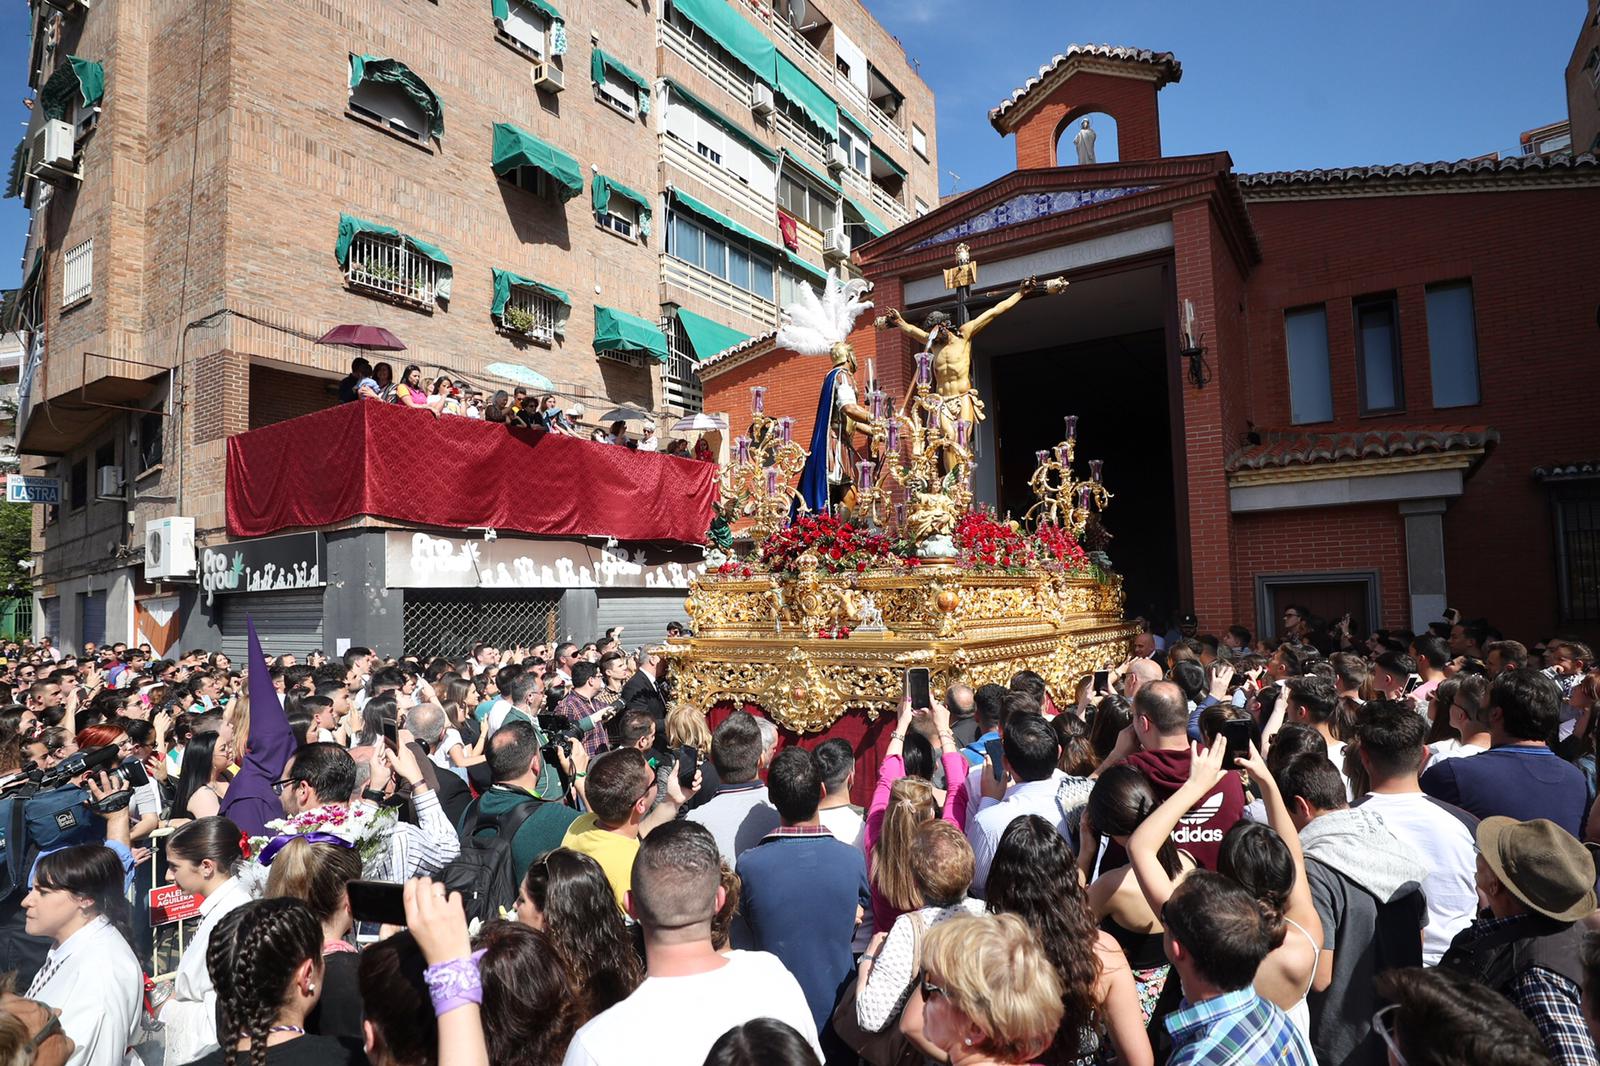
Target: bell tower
column 1087, row 78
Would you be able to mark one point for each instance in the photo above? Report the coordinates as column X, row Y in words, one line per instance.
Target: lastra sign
column 422, row 560
column 296, row 561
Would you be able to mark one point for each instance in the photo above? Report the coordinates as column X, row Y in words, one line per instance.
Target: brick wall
column 278, row 395
column 1131, row 101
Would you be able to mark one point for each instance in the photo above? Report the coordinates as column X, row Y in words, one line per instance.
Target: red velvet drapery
column 868, row 739
column 369, row 458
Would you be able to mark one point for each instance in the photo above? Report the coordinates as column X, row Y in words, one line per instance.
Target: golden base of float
column 756, row 638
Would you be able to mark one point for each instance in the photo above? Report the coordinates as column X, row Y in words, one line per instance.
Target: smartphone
column 1411, row 684
column 1102, row 680
column 382, row 902
column 995, row 750
column 1237, row 733
column 917, row 688
column 391, row 731
column 688, row 763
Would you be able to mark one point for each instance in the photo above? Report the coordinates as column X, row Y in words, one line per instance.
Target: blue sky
column 1280, row 84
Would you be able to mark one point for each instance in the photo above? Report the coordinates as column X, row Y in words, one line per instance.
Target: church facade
column 1365, row 391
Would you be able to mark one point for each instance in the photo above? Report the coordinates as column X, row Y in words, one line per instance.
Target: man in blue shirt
column 1519, row 776
column 802, row 890
column 1215, row 938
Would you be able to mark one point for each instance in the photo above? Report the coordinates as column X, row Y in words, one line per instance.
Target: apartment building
column 584, row 196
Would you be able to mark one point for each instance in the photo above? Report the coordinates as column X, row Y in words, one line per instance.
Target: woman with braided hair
column 265, row 960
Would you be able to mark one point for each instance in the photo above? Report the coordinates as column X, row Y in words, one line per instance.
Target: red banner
column 370, row 458
column 169, row 903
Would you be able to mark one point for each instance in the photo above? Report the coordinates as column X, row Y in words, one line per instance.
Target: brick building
column 214, row 186
column 1361, row 390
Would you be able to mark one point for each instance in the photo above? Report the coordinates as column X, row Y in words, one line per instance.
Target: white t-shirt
column 1440, row 750
column 1445, row 845
column 845, row 823
column 497, row 715
column 679, row 1018
column 441, row 756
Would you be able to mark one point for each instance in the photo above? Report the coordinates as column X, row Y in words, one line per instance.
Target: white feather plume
column 812, row 326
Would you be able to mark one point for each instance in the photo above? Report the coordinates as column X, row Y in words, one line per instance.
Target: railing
column 859, row 105
column 540, row 323
column 677, row 273
column 801, row 134
column 384, row 265
column 686, row 159
column 810, row 240
column 807, row 50
column 887, row 125
column 856, row 181
column 889, row 205
column 680, row 381
column 729, row 80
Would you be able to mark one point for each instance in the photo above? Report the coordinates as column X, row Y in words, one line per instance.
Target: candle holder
column 1062, row 499
column 759, row 484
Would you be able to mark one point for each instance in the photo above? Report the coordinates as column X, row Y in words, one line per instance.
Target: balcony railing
column 530, row 314
column 896, row 211
column 729, row 80
column 384, row 265
column 802, row 135
column 680, row 380
column 691, row 162
column 807, row 50
column 680, row 275
column 887, row 125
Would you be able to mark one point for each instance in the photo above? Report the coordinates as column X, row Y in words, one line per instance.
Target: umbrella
column 700, row 422
column 625, row 414
column 522, row 376
column 375, row 338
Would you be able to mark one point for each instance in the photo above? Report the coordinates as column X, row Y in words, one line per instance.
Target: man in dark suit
column 643, row 693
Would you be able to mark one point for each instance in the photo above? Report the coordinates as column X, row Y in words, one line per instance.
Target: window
column 803, row 202
column 1593, row 67
column 1577, row 513
column 152, row 431
column 104, row 456
column 842, row 65
column 384, row 264
column 526, row 28
column 789, row 283
column 919, row 141
column 620, row 97
column 708, row 152
column 1310, row 379
column 1452, row 345
column 389, row 105
column 78, row 485
column 1378, row 355
column 77, row 281
column 720, row 255
column 531, row 313
column 922, row 208
column 711, row 142
column 620, row 216
column 855, row 149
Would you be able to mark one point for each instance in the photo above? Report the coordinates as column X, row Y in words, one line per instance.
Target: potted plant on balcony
column 518, row 320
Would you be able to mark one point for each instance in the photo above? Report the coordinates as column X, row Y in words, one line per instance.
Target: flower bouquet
column 362, row 827
column 839, row 546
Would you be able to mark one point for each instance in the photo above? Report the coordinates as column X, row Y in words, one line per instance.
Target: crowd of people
column 446, row 396
column 1327, row 849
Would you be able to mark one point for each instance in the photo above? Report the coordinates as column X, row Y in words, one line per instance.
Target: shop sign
column 23, row 489
column 270, row 564
column 423, row 560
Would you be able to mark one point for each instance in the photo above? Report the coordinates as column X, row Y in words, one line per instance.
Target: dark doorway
column 1117, row 386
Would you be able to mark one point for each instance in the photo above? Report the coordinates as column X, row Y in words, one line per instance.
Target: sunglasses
column 931, row 989
column 283, row 783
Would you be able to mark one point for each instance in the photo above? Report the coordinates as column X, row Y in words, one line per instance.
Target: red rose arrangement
column 1057, row 545
column 987, row 543
column 838, row 545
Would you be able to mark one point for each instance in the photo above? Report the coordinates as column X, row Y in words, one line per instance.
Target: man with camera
column 587, row 708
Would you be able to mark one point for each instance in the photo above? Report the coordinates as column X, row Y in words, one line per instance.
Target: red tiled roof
column 1478, row 166
column 1166, row 63
column 1280, row 449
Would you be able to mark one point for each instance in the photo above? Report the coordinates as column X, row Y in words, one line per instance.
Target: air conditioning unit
column 548, row 77
column 761, row 98
column 109, row 482
column 838, row 158
column 51, row 155
column 836, row 243
column 169, row 548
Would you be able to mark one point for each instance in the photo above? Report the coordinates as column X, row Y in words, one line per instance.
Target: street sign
column 22, row 489
column 169, row 903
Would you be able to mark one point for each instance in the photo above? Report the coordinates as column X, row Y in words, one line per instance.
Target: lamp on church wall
column 1193, row 349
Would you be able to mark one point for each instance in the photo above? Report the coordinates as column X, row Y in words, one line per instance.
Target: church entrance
column 1098, row 351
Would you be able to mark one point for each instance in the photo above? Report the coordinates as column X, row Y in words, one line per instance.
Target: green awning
column 515, row 147
column 73, row 82
column 381, row 71
column 618, row 331
column 601, row 189
column 874, row 224
column 816, row 274
column 688, row 203
column 877, row 153
column 19, row 169
column 351, row 227
column 505, row 279
column 753, row 49
column 603, row 67
column 816, row 175
column 501, row 9
column 731, row 127
column 707, row 337
column 809, row 97
column 856, row 124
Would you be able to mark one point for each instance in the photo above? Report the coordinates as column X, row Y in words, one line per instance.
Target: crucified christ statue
column 951, row 346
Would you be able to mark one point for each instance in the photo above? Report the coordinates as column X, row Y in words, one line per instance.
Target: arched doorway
column 1105, row 138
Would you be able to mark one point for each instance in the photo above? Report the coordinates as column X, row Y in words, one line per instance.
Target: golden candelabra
column 1063, row 500
column 759, row 484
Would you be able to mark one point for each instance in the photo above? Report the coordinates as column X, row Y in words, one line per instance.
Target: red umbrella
column 372, row 337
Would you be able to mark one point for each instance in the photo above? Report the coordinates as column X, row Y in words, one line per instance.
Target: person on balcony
column 410, row 392
column 383, row 381
column 443, row 399
column 360, row 370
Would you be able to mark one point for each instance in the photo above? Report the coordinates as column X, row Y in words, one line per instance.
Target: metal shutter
column 288, row 623
column 91, row 618
column 52, row 619
column 449, row 622
column 645, row 614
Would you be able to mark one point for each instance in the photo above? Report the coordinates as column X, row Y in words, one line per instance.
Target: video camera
column 103, row 759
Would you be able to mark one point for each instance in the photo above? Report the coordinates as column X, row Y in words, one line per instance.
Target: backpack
column 485, row 873
column 44, row 821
